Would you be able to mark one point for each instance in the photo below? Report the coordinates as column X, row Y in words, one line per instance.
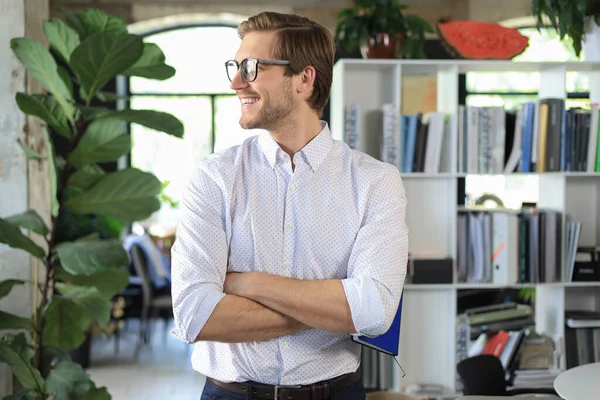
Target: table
column 520, row 397
column 579, row 383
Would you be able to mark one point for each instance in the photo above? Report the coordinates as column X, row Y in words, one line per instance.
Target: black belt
column 315, row 391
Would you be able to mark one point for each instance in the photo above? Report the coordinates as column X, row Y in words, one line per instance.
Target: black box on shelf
column 587, row 264
column 431, row 270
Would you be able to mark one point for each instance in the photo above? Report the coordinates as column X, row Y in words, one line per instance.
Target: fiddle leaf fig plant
column 84, row 269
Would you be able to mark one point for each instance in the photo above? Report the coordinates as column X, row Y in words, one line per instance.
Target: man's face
column 269, row 100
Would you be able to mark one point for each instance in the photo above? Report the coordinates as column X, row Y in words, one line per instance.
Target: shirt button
column 286, row 265
column 292, row 188
column 289, row 227
column 286, row 379
column 285, row 345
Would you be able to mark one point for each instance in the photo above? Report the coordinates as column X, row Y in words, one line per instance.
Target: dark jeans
column 212, row 392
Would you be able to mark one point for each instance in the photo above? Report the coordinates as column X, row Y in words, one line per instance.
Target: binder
column 387, row 343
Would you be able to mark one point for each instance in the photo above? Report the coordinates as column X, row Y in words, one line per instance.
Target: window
column 511, row 89
column 200, row 96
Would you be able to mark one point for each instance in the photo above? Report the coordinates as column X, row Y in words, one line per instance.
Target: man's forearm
column 236, row 319
column 321, row 304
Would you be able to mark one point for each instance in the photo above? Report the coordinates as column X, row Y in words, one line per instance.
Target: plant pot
column 591, row 43
column 383, row 45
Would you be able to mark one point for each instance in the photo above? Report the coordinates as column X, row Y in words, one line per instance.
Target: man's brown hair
column 302, row 42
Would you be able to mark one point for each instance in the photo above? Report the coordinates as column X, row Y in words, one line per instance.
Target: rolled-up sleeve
column 198, row 256
column 378, row 262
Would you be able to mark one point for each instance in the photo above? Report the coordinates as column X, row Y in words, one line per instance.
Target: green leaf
column 127, row 195
column 52, row 174
column 40, row 63
column 18, row 355
column 51, row 354
column 67, row 380
column 66, row 77
column 108, row 97
column 11, row 235
column 92, row 21
column 151, row 64
column 104, row 140
column 90, row 257
column 86, row 177
column 90, row 113
column 96, row 20
column 89, row 300
column 29, row 220
column 157, row 120
column 74, row 20
column 24, row 394
column 11, row 321
column 7, row 285
column 91, row 237
column 62, row 38
column 65, row 324
column 102, row 56
column 29, row 152
column 108, row 282
column 97, row 394
column 47, row 108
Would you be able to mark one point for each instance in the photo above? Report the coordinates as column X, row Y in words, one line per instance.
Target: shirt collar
column 314, row 152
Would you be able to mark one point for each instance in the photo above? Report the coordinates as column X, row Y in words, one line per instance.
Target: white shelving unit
column 428, row 339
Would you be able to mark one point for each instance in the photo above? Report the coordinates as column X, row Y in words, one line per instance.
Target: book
column 388, row 342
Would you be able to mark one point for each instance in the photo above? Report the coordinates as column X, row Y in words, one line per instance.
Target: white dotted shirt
column 339, row 215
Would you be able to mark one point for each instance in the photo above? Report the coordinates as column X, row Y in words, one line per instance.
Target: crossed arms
column 262, row 306
column 211, row 305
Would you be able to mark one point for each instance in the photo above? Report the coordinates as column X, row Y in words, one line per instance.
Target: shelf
column 446, row 286
column 429, row 286
column 581, row 284
column 425, row 67
column 421, row 175
column 434, row 217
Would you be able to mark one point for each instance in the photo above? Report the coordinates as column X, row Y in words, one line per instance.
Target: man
column 290, row 242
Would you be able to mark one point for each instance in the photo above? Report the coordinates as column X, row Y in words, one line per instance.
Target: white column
column 13, row 164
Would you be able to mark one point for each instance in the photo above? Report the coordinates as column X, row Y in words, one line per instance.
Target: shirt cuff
column 366, row 306
column 187, row 327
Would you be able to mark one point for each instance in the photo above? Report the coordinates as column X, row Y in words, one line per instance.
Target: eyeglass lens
column 248, row 67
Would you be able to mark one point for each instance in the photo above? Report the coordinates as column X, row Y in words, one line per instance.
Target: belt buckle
column 277, row 387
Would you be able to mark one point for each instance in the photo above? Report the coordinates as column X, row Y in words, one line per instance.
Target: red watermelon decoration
column 481, row 40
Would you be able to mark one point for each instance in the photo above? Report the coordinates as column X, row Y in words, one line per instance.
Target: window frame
column 126, row 94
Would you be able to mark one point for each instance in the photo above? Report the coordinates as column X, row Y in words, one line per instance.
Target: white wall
column 13, row 166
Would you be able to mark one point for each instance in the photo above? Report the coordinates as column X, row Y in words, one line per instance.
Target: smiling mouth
column 249, row 100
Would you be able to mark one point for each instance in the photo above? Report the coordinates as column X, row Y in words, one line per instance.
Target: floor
column 163, row 370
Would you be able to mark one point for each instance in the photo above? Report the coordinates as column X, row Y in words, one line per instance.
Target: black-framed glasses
column 249, row 67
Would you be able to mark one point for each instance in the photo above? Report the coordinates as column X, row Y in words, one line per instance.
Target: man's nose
column 238, row 82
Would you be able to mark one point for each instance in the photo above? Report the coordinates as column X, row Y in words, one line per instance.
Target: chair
column 391, row 395
column 484, row 375
column 151, row 303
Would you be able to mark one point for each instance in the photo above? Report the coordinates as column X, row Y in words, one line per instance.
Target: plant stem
column 48, row 262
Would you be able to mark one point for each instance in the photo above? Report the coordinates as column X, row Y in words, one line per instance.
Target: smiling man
column 290, row 242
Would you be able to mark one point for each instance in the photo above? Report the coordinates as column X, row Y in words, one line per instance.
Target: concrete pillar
column 22, row 185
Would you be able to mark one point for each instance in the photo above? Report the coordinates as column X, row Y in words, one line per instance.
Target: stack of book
column 507, row 247
column 493, row 319
column 537, row 365
column 582, row 337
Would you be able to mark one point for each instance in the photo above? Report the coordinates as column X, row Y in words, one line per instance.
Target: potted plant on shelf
column 578, row 19
column 380, row 29
column 83, row 267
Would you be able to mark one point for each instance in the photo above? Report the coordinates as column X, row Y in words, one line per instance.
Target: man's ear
column 306, row 79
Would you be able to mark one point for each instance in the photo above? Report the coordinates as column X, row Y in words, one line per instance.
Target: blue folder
column 387, row 343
